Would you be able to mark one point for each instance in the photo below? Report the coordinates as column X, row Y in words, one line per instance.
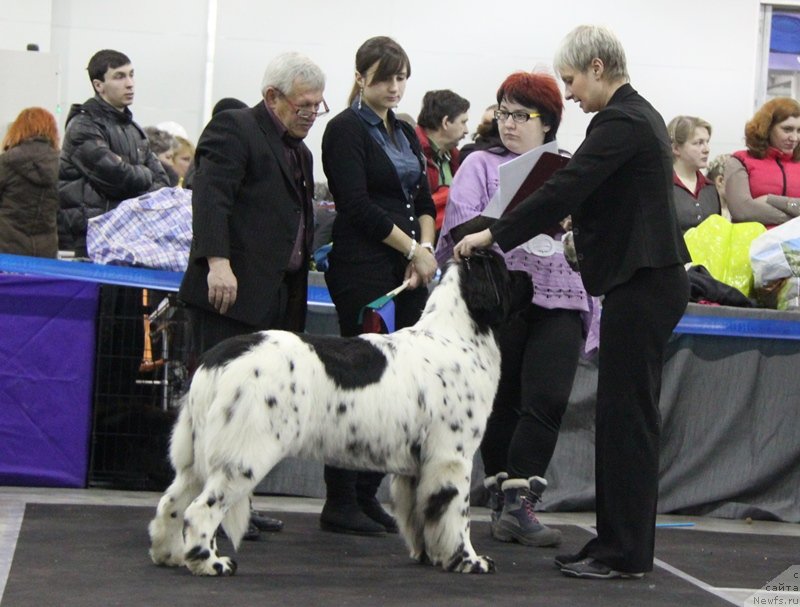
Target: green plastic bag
column 724, row 249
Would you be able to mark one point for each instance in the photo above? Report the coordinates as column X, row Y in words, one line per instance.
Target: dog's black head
column 492, row 292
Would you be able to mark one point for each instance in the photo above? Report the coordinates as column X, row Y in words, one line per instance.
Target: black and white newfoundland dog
column 413, row 403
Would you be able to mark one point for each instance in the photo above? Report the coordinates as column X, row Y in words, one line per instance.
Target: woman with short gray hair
column 586, row 43
column 618, row 190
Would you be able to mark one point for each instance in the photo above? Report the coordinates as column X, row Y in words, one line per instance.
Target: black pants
column 637, row 321
column 350, row 291
column 350, row 299
column 207, row 328
column 540, row 352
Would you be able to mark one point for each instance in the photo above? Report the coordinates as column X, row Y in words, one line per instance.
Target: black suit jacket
column 618, row 189
column 247, row 208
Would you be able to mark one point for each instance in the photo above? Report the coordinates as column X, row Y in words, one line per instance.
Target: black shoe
column 562, row 560
column 593, row 569
column 375, row 511
column 264, row 522
column 348, row 518
column 251, row 535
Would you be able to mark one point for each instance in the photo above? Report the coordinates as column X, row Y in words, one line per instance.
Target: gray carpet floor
column 89, row 555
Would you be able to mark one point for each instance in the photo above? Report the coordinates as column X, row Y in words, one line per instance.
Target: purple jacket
column 556, row 285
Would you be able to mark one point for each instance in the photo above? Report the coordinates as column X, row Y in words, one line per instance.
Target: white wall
column 35, row 77
column 686, row 56
column 24, row 22
column 166, row 43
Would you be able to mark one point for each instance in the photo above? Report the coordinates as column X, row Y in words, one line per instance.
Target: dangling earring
column 359, row 98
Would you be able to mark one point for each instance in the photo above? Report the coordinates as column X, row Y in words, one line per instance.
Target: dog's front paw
column 478, row 564
column 220, row 566
column 224, row 566
column 203, row 562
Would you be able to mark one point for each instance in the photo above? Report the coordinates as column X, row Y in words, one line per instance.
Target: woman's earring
column 359, row 98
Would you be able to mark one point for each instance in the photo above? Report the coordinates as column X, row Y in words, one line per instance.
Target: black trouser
column 540, row 352
column 637, row 321
column 350, row 301
column 207, row 328
column 351, row 291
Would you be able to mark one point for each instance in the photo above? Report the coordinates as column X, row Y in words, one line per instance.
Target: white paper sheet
column 512, row 174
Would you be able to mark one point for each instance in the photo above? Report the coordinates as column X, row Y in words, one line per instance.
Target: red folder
column 544, row 168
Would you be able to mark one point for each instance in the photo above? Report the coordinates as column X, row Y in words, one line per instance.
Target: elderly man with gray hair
column 252, row 215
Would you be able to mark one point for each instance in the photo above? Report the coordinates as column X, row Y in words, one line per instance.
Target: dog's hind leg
column 224, row 499
column 409, row 518
column 166, row 537
column 443, row 496
column 201, row 519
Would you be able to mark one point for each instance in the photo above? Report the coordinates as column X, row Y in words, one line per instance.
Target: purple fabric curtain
column 47, row 351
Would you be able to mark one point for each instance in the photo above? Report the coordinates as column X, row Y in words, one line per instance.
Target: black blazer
column 368, row 194
column 246, row 208
column 618, row 189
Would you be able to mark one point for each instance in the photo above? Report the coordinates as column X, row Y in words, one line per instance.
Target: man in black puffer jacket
column 105, row 157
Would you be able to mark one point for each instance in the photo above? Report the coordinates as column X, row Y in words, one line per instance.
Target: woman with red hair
column 762, row 183
column 540, row 350
column 28, row 185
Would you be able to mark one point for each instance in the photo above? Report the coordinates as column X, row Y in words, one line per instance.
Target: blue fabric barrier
column 117, row 275
column 90, row 272
column 47, row 344
column 728, row 324
column 319, row 296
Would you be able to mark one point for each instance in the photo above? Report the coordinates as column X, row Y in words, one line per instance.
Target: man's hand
column 222, row 284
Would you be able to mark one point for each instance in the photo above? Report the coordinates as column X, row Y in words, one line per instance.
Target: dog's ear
column 521, row 291
column 486, row 288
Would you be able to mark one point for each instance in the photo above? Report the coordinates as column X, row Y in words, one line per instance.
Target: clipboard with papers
column 522, row 176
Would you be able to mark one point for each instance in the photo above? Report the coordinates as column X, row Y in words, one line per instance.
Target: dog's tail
column 181, row 447
column 236, row 520
column 186, row 444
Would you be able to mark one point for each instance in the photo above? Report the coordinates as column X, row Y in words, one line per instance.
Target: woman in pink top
column 541, row 349
column 762, row 183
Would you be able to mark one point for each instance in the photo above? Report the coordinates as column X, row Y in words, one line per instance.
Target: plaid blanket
column 152, row 231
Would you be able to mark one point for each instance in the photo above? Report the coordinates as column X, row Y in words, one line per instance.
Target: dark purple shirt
column 294, row 160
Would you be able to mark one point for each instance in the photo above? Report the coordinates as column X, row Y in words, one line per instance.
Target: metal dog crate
column 139, row 377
